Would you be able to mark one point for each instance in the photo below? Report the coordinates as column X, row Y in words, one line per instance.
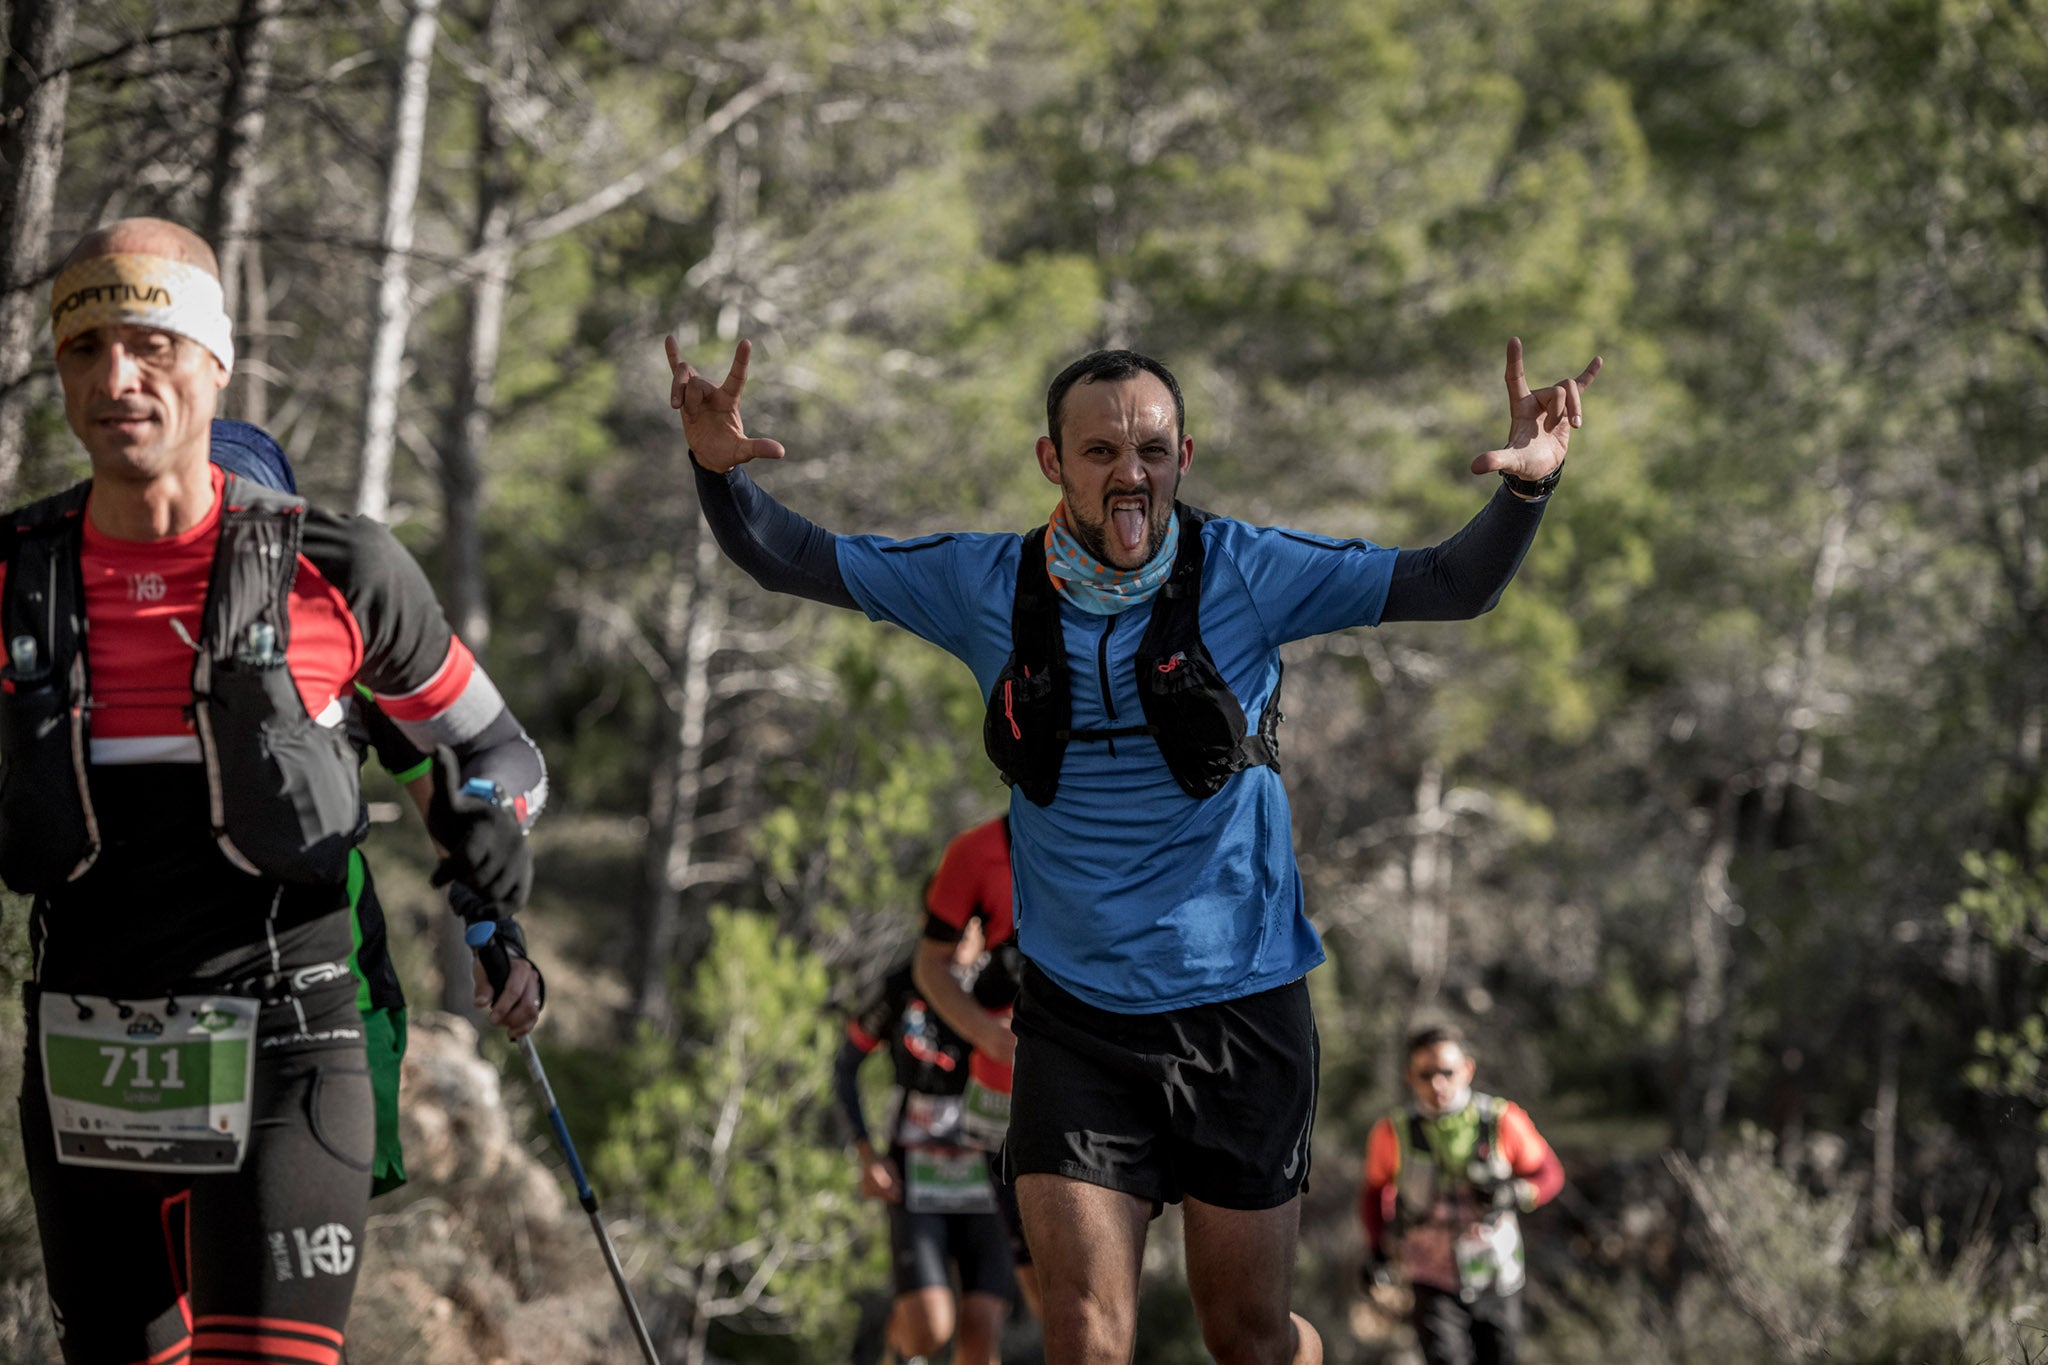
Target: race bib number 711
column 149, row 1086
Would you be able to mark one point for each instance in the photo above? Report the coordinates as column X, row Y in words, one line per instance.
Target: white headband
column 142, row 291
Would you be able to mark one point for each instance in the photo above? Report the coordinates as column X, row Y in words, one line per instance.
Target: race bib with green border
column 985, row 1116
column 946, row 1180
column 149, row 1085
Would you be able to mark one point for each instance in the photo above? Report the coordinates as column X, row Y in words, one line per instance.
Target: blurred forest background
column 1726, row 835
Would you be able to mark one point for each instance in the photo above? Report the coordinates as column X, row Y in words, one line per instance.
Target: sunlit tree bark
column 391, row 305
column 34, row 88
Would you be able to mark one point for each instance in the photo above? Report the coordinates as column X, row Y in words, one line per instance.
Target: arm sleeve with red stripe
column 1529, row 1156
column 423, row 677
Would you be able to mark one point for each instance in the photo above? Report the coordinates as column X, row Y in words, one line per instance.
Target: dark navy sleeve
column 1464, row 576
column 778, row 549
column 846, row 1086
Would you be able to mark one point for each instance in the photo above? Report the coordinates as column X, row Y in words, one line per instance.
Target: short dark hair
column 1434, row 1034
column 1109, row 367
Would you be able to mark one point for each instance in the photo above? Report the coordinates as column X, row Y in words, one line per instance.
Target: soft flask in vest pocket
column 286, row 801
column 1199, row 723
column 1025, row 729
column 284, row 790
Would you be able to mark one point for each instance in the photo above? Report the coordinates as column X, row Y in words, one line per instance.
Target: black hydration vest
column 283, row 791
column 1192, row 713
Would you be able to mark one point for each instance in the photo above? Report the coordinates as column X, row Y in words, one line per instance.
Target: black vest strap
column 255, row 562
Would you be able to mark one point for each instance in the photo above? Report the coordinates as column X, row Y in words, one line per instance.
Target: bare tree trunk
column 692, row 630
column 33, row 91
column 252, row 354
column 1884, row 1155
column 231, row 189
column 467, row 432
column 464, row 448
column 1702, row 1096
column 1429, row 931
column 1714, row 994
column 229, row 218
column 392, row 303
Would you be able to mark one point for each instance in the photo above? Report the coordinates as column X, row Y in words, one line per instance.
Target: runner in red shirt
column 973, row 883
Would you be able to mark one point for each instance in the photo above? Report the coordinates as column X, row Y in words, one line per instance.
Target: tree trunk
column 34, row 87
column 391, row 305
column 252, row 353
column 1429, row 932
column 229, row 218
column 1884, row 1155
column 468, row 428
column 1702, row 1095
column 692, row 630
column 1714, row 994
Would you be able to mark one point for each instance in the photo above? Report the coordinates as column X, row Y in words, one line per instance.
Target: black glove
column 486, row 848
column 496, row 948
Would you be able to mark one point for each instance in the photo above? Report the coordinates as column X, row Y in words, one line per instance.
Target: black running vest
column 1192, row 713
column 283, row 791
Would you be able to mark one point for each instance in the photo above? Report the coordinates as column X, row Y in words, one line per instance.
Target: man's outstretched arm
column 779, row 549
column 1464, row 576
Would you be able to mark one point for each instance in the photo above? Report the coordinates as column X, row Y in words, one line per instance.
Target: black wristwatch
column 1533, row 488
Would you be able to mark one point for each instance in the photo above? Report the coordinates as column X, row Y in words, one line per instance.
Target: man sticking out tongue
column 1130, row 653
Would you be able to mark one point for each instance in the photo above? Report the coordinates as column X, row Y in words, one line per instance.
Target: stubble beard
column 1094, row 535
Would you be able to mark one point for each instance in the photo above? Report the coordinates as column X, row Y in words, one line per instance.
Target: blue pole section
column 482, row 936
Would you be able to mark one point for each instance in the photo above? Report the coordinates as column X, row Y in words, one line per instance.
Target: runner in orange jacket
column 1444, row 1180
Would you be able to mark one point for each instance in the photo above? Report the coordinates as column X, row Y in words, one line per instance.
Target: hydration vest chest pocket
column 1198, row 720
column 1189, row 710
column 286, row 786
column 1023, row 731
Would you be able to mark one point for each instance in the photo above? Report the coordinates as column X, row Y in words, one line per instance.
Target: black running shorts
column 922, row 1244
column 253, row 1265
column 1213, row 1102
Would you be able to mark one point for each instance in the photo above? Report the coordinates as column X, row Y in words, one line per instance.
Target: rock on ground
column 482, row 1258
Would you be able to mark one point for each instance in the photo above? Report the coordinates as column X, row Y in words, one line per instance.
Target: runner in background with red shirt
column 973, row 884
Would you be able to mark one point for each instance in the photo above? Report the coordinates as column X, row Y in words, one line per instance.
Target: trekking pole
column 482, row 936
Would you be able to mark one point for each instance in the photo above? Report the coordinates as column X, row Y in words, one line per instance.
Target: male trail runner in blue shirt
column 1130, row 653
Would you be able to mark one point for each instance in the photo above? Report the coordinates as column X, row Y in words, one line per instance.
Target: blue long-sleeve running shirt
column 1131, row 894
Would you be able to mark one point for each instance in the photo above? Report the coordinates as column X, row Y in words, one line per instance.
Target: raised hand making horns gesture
column 1539, row 424
column 711, row 412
